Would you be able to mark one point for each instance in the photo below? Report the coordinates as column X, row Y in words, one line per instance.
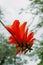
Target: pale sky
column 11, row 8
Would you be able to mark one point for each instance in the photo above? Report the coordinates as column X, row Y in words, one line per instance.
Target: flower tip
column 25, row 22
column 17, row 21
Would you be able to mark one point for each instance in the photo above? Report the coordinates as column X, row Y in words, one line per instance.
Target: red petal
column 15, row 24
column 15, row 27
column 26, row 31
column 12, row 40
column 31, row 42
column 18, row 52
column 25, row 51
column 22, row 29
column 25, row 35
column 30, row 36
column 9, row 29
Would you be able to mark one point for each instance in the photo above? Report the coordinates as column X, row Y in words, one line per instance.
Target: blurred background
column 23, row 10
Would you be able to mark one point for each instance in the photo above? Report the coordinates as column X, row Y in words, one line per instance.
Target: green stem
column 2, row 23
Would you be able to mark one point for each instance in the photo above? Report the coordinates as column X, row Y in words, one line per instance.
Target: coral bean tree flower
column 20, row 37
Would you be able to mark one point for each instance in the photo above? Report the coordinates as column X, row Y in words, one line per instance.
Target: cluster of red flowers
column 20, row 37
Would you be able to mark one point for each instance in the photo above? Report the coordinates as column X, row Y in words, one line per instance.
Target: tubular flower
column 20, row 37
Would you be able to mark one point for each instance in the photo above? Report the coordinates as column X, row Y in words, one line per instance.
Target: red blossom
column 20, row 37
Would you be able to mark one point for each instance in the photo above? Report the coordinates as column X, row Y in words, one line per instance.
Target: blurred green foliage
column 1, row 13
column 7, row 52
column 38, row 4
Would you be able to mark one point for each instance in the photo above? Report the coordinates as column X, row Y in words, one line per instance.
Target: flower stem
column 2, row 23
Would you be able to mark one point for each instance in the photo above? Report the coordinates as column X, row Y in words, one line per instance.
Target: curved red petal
column 26, row 31
column 12, row 40
column 16, row 30
column 9, row 29
column 25, row 35
column 18, row 52
column 15, row 24
column 22, row 29
column 31, row 42
column 30, row 36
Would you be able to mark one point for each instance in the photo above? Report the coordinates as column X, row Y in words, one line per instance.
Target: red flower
column 20, row 37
